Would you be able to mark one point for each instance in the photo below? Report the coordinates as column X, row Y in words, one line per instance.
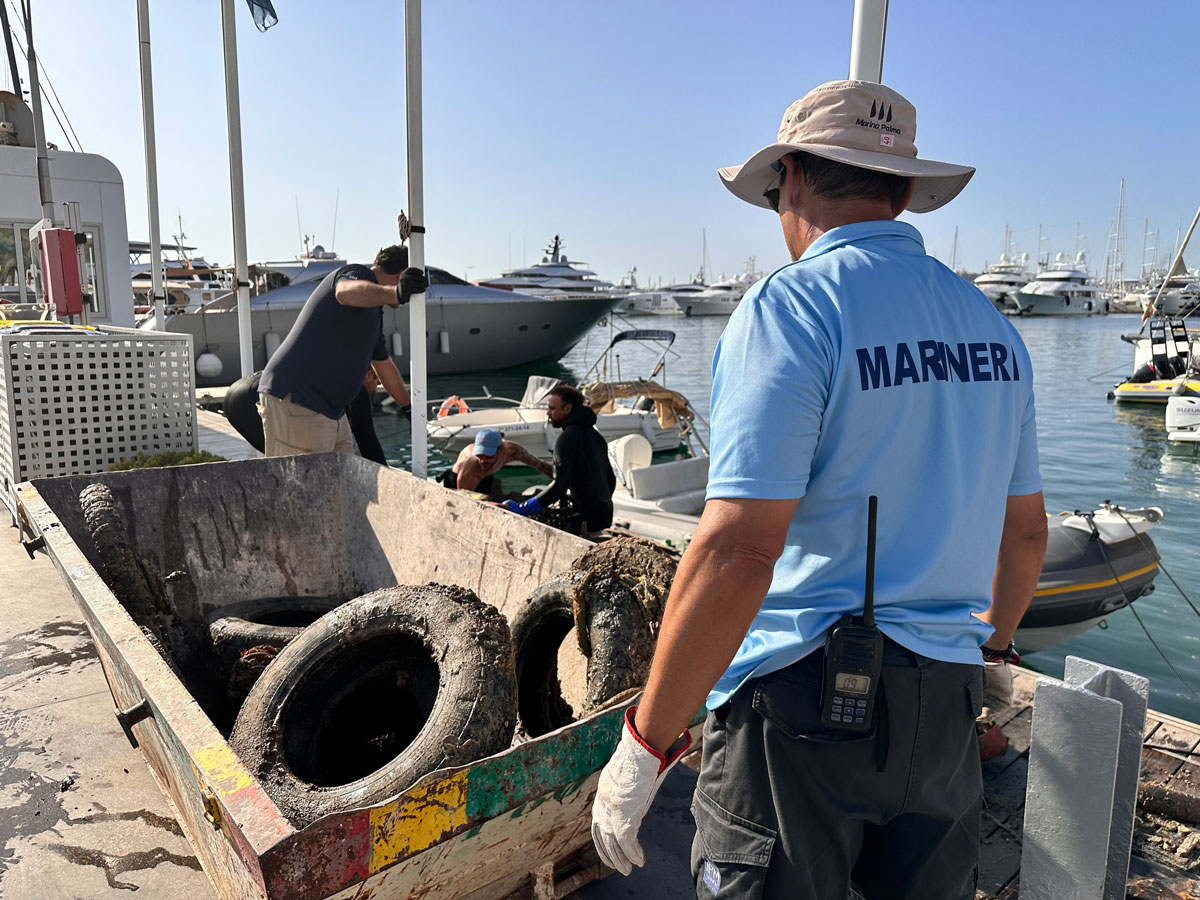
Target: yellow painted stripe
column 1046, row 592
column 222, row 769
column 418, row 820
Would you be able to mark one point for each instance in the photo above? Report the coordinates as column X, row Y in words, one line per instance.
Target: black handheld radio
column 854, row 655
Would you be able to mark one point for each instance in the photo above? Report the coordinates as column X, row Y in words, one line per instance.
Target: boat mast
column 418, row 347
column 147, row 79
column 954, row 249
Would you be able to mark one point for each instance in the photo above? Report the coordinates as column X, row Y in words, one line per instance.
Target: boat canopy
column 643, row 334
column 671, row 407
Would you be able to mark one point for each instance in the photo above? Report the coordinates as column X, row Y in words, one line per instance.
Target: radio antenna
column 869, row 588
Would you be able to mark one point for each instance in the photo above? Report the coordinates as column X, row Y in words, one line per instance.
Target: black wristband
column 1009, row 654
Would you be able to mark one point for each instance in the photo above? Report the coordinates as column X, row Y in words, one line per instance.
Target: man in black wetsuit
column 580, row 467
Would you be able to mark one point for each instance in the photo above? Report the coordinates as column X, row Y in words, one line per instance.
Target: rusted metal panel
column 227, row 531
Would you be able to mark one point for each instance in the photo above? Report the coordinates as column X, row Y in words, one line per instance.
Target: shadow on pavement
column 667, row 839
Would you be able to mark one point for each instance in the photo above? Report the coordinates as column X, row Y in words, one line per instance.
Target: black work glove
column 406, row 411
column 412, row 281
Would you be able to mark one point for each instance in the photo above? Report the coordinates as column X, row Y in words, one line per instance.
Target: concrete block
column 1073, row 761
column 1133, row 692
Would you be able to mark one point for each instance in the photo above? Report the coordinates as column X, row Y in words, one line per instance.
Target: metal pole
column 39, row 129
column 418, row 345
column 867, row 39
column 156, row 275
column 8, row 47
column 233, row 116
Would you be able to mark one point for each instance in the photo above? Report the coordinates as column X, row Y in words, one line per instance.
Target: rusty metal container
column 516, row 823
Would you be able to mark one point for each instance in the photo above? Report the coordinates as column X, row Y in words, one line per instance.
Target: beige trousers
column 289, row 429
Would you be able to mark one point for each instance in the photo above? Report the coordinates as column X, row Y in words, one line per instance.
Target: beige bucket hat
column 859, row 123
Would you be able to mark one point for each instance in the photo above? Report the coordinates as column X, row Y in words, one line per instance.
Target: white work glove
column 626, row 790
column 997, row 691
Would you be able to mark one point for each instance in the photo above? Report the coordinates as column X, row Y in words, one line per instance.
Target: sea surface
column 1091, row 451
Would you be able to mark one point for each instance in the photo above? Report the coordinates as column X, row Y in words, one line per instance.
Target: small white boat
column 661, row 502
column 641, row 407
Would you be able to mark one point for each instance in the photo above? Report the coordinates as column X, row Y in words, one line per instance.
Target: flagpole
column 233, row 117
column 156, row 274
column 418, row 346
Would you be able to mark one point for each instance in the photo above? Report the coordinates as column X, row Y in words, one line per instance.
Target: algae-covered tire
column 120, row 566
column 622, row 643
column 621, row 589
column 268, row 621
column 538, row 630
column 382, row 690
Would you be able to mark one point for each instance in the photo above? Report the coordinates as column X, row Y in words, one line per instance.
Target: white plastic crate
column 75, row 402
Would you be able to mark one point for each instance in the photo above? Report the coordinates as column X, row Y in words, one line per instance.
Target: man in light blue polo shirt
column 865, row 367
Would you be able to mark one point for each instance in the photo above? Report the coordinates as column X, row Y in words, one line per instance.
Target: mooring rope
column 1088, row 517
column 1157, row 558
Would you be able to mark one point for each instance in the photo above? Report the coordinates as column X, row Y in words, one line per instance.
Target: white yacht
column 189, row 280
column 637, row 301
column 1064, row 289
column 649, row 303
column 1180, row 294
column 721, row 297
column 555, row 276
column 1005, row 278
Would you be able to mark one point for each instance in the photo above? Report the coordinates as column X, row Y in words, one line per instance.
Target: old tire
column 538, row 631
column 120, row 566
column 619, row 647
column 269, row 621
column 375, row 694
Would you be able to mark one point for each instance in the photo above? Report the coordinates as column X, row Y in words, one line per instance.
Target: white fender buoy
column 208, row 365
column 271, row 342
column 444, row 341
column 397, row 344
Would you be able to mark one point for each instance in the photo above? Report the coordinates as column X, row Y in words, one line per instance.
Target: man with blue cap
column 478, row 463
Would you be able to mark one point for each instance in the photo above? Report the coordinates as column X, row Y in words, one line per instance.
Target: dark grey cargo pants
column 786, row 809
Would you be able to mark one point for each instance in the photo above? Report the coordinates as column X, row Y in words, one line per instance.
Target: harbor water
column 1091, row 451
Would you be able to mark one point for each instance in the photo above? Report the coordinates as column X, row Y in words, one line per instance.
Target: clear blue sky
column 606, row 122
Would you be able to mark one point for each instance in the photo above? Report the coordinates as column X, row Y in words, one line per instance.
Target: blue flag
column 264, row 14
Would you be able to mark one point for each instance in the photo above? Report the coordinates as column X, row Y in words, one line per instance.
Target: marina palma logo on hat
column 882, row 112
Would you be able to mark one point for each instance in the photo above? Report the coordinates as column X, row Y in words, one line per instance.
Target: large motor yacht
column 1001, row 281
column 556, row 276
column 1065, row 289
column 469, row 327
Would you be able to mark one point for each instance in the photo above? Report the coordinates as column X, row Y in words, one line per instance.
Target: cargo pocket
column 731, row 854
column 975, row 692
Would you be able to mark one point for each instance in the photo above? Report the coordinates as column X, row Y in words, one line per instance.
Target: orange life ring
column 453, row 405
